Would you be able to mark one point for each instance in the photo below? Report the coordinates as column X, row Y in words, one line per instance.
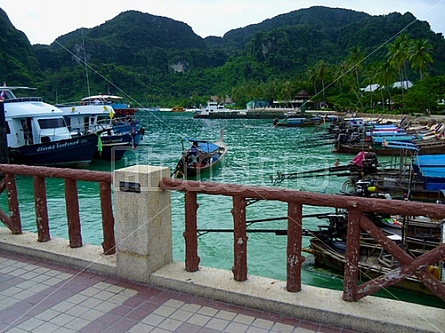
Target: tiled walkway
column 37, row 296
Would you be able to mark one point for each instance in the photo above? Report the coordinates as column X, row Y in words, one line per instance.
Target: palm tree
column 398, row 56
column 372, row 79
column 322, row 71
column 385, row 76
column 355, row 60
column 311, row 76
column 339, row 74
column 419, row 55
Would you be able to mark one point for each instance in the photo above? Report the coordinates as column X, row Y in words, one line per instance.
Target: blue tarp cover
column 205, row 146
column 407, row 138
column 436, row 172
column 431, row 160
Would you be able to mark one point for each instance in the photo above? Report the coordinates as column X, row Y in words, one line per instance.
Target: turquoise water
column 257, row 151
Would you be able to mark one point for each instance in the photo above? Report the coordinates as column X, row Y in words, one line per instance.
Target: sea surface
column 257, row 152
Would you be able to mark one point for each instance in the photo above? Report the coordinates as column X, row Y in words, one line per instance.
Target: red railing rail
column 357, row 221
column 70, row 176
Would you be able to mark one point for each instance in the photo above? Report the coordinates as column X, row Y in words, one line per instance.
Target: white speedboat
column 37, row 134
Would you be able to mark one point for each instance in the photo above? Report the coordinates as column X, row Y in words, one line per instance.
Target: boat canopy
column 205, row 146
column 405, row 138
column 431, row 160
column 436, row 172
column 100, row 97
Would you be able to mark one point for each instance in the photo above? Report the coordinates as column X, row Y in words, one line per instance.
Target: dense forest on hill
column 153, row 60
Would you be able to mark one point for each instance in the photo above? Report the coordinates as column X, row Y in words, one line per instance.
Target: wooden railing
column 71, row 176
column 357, row 221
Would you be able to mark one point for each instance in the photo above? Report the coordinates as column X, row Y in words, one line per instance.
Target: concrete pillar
column 143, row 221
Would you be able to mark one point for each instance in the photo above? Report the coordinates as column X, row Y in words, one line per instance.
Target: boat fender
column 372, row 189
column 434, row 271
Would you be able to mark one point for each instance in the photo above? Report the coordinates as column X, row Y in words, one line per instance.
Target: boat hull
column 113, row 147
column 303, row 124
column 332, row 257
column 74, row 152
column 425, row 148
column 186, row 169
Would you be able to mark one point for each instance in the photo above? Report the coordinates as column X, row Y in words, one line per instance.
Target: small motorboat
column 202, row 156
column 299, row 122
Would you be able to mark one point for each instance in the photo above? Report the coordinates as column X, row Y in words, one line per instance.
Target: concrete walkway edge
column 372, row 314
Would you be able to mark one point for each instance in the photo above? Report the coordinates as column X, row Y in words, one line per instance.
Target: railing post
column 294, row 245
column 240, row 239
column 72, row 212
column 352, row 256
column 144, row 236
column 109, row 243
column 13, row 201
column 43, row 234
column 191, row 232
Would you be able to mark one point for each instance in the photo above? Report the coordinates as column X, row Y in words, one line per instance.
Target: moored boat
column 119, row 107
column 298, row 122
column 412, row 177
column 421, row 234
column 38, row 135
column 201, row 157
column 115, row 135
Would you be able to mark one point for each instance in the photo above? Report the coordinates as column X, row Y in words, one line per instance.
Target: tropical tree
column 372, row 74
column 385, row 76
column 420, row 55
column 322, row 72
column 398, row 56
column 355, row 62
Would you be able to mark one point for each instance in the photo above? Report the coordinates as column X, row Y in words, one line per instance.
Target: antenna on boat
column 85, row 63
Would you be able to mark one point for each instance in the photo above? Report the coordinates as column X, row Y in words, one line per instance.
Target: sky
column 43, row 21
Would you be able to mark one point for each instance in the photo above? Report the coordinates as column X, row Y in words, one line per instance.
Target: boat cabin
column 88, row 118
column 31, row 121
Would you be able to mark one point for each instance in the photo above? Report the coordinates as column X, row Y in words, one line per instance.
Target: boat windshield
column 51, row 123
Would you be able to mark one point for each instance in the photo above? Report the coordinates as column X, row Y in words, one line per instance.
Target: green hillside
column 155, row 60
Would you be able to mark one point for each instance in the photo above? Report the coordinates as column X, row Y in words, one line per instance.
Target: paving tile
column 261, row 323
column 76, row 324
column 136, row 315
column 181, row 315
column 170, row 324
column 153, row 319
column 143, row 328
column 191, row 307
column 47, row 314
column 208, row 311
column 46, row 328
column 62, row 319
column 226, row 315
column 241, row 318
column 217, row 324
column 30, row 324
column 235, row 327
column 199, row 319
column 253, row 329
column 164, row 311
column 50, row 298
